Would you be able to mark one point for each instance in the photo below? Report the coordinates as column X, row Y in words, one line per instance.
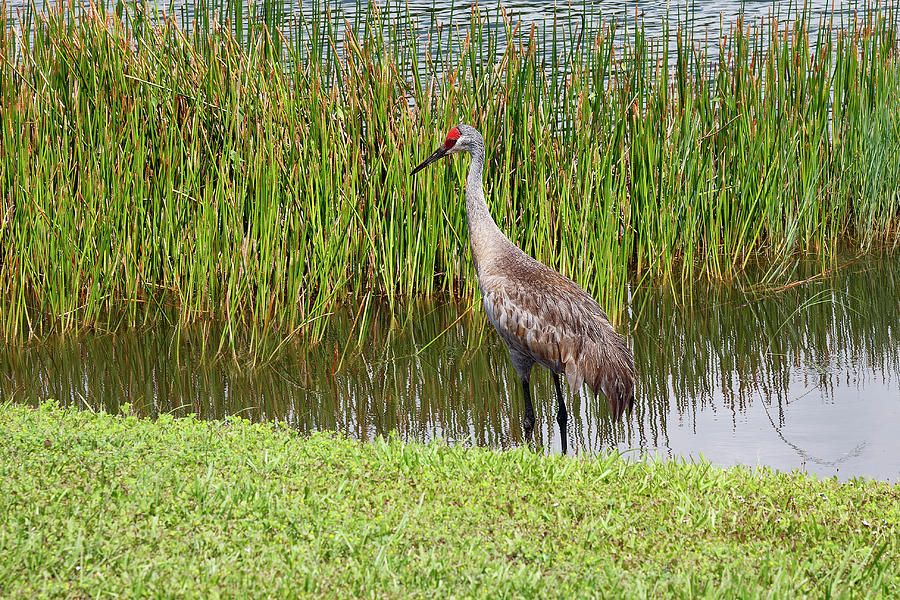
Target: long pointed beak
column 436, row 155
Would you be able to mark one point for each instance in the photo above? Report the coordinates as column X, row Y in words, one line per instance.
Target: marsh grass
column 254, row 167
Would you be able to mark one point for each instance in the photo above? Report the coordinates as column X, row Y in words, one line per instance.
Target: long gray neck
column 485, row 237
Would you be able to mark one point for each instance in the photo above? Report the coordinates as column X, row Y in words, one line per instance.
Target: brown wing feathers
column 550, row 318
column 607, row 367
column 600, row 357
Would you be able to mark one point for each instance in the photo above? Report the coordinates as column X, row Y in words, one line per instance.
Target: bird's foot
column 528, row 426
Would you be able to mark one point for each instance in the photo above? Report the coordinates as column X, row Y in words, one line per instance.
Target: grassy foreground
column 98, row 505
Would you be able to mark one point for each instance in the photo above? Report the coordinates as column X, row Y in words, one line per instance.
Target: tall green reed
column 255, row 167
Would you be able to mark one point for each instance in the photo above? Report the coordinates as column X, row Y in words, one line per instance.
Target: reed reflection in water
column 804, row 376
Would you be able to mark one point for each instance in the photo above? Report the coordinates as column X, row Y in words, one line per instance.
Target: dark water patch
column 799, row 376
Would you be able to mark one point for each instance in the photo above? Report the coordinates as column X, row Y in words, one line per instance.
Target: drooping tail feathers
column 607, row 366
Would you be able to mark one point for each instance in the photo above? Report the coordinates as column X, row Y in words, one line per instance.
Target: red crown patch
column 452, row 136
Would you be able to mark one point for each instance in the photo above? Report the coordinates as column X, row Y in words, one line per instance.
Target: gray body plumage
column 542, row 316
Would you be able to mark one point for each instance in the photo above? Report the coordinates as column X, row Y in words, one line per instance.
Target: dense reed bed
column 257, row 171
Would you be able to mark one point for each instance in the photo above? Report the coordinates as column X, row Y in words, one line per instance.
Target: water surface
column 706, row 20
column 805, row 376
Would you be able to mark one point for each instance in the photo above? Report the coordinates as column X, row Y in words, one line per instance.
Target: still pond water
column 805, row 377
column 705, row 18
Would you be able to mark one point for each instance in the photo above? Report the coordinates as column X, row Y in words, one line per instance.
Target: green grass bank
column 257, row 172
column 101, row 506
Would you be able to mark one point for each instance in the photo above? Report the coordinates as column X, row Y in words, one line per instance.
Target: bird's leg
column 562, row 416
column 529, row 411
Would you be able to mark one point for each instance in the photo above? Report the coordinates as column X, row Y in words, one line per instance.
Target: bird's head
column 461, row 138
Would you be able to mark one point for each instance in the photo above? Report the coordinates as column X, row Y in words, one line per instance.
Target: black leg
column 529, row 411
column 562, row 416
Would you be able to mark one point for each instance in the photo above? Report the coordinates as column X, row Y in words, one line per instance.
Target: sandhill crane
column 543, row 317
